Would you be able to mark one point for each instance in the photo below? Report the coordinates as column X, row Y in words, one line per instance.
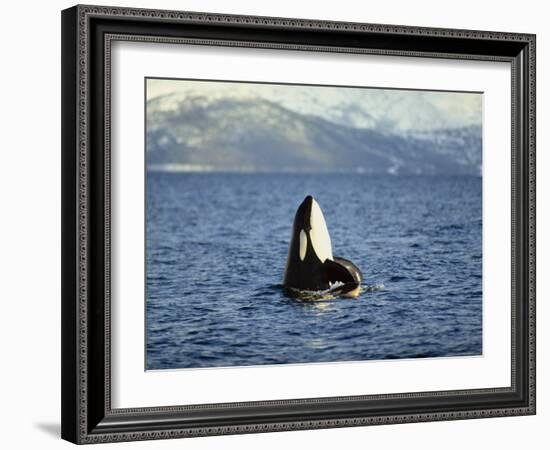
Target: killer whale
column 310, row 265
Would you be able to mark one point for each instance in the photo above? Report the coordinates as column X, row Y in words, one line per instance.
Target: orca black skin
column 310, row 265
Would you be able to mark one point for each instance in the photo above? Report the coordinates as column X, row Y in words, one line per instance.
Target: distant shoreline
column 206, row 169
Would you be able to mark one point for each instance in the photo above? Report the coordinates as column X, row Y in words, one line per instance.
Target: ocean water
column 216, row 249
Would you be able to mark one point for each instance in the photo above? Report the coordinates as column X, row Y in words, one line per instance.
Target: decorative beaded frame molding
column 87, row 35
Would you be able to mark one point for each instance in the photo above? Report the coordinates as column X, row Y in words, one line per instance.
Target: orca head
column 310, row 248
column 310, row 265
column 311, row 228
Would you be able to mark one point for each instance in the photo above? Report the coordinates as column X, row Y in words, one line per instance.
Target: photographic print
column 292, row 224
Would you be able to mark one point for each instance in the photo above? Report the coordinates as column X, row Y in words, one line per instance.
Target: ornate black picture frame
column 87, row 34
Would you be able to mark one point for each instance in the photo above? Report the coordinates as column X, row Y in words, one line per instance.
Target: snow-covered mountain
column 228, row 126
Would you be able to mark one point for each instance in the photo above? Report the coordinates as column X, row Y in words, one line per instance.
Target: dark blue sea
column 216, row 252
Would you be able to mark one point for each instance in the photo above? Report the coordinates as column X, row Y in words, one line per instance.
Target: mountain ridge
column 200, row 133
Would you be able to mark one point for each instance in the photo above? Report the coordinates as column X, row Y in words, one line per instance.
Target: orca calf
column 310, row 265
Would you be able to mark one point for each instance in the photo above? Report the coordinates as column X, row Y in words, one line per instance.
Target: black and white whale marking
column 310, row 265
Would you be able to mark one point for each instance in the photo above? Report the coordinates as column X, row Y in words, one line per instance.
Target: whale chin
column 310, row 265
column 320, row 238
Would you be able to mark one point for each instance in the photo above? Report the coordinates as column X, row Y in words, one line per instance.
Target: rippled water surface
column 216, row 251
